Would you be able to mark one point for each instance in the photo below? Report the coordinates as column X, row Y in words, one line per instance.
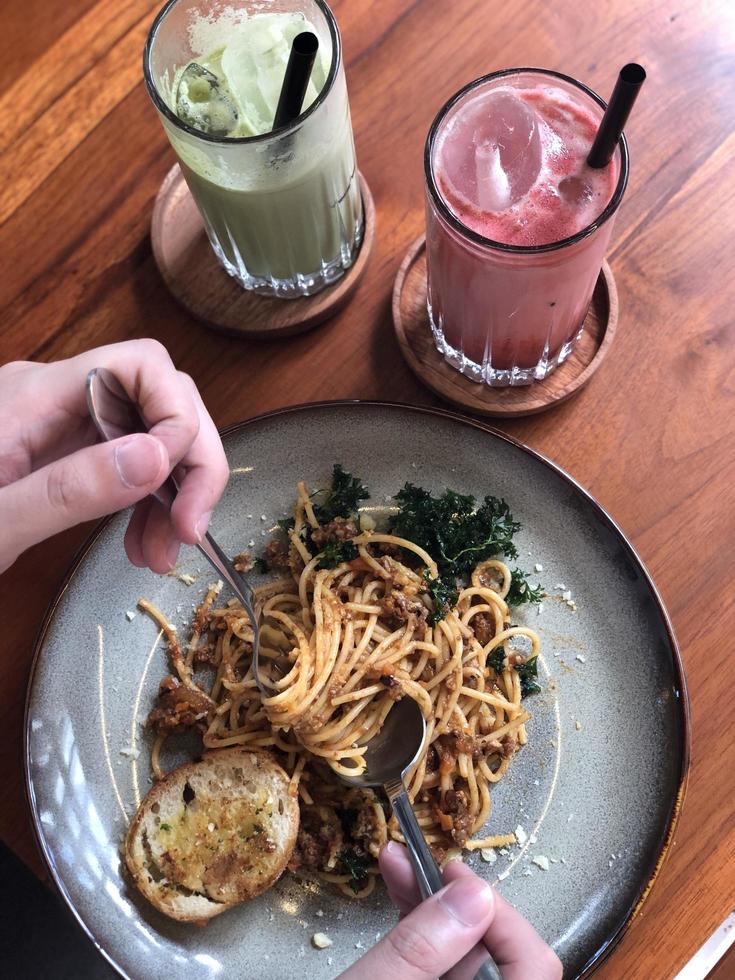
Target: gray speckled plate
column 597, row 789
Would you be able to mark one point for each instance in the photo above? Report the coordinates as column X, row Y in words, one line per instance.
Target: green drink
column 282, row 208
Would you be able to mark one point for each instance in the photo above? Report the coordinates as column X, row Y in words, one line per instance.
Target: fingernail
column 138, row 461
column 172, row 553
column 202, row 525
column 392, row 848
column 469, row 900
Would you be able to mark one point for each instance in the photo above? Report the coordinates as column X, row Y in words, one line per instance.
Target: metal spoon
column 115, row 414
column 389, row 755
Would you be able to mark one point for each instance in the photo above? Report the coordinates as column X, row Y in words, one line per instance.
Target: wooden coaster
column 411, row 322
column 191, row 271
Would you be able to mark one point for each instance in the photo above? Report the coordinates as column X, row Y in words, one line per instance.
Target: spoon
column 115, row 414
column 389, row 755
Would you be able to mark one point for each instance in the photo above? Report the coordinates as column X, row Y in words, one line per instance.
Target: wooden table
column 652, row 436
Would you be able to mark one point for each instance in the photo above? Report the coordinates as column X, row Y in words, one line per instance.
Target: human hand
column 54, row 474
column 436, row 934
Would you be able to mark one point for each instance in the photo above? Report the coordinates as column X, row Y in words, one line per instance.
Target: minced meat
column 399, row 607
column 483, row 625
column 339, row 529
column 179, row 708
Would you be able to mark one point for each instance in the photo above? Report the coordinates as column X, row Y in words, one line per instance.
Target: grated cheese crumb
column 210, row 827
column 329, row 961
column 320, row 912
column 186, row 578
column 538, row 567
column 358, row 945
column 321, row 940
column 539, row 608
column 581, row 659
column 488, row 854
column 130, row 751
column 503, row 875
column 578, row 725
column 521, row 835
column 130, row 615
column 541, row 861
column 566, row 595
column 560, row 586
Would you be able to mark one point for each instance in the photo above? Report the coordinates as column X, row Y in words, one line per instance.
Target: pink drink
column 517, row 223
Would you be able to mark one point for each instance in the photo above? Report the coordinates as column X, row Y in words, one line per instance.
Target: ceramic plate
column 597, row 789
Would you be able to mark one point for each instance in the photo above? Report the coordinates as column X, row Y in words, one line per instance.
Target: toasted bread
column 212, row 834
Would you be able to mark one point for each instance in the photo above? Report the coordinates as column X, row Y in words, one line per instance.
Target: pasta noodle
column 338, row 647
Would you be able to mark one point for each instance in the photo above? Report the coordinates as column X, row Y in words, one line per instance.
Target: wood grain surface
column 652, row 435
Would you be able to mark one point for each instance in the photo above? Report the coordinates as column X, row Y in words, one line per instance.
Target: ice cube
column 201, row 103
column 493, row 184
column 575, row 190
column 491, row 154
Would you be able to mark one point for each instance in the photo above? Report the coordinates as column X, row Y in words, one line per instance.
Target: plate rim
column 684, row 713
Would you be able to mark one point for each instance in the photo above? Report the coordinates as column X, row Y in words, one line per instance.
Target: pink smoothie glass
column 511, row 272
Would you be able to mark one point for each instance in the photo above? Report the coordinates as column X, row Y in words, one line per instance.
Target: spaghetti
column 338, row 647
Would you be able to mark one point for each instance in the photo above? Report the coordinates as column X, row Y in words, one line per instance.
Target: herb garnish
column 353, row 864
column 260, row 565
column 520, row 590
column 343, row 497
column 165, row 826
column 497, row 660
column 528, row 672
column 455, row 533
column 335, row 552
column 444, row 595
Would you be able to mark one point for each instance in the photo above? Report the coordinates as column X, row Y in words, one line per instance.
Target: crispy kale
column 444, row 595
column 528, row 673
column 343, row 497
column 455, row 532
column 520, row 590
column 335, row 552
column 353, row 864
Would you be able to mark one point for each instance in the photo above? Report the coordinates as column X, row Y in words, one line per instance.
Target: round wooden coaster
column 196, row 279
column 411, row 322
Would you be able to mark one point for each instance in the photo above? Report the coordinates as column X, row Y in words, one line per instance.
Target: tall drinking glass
column 282, row 209
column 517, row 225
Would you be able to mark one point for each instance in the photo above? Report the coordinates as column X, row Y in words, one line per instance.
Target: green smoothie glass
column 282, row 208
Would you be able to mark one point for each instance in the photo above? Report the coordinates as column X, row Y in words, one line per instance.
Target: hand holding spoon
column 115, row 414
column 389, row 755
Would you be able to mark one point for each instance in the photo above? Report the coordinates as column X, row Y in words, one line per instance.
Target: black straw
column 296, row 79
column 626, row 89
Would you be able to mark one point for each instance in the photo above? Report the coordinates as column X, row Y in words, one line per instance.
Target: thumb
column 434, row 937
column 86, row 485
